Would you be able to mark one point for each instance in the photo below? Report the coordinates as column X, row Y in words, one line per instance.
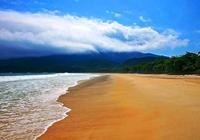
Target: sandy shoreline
column 125, row 106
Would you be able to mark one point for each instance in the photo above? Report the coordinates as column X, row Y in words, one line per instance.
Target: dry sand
column 131, row 107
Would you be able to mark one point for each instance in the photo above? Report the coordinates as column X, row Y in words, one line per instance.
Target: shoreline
column 105, row 81
column 52, row 123
column 78, row 84
column 62, row 104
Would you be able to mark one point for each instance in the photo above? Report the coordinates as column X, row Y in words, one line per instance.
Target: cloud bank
column 79, row 34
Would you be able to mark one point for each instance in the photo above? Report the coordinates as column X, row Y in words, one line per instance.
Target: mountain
column 188, row 63
column 123, row 56
column 88, row 62
column 143, row 60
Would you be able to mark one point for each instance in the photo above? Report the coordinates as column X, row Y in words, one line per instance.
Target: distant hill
column 134, row 62
column 143, row 60
column 185, row 64
column 123, row 56
column 88, row 62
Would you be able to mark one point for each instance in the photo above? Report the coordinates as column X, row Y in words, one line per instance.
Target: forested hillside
column 102, row 63
column 185, row 64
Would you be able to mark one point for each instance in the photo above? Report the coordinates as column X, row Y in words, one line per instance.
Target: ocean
column 28, row 103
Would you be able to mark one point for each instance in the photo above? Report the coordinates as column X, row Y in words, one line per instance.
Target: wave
column 28, row 107
column 5, row 78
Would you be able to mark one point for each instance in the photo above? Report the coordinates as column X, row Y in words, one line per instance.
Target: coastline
column 65, row 115
column 82, row 121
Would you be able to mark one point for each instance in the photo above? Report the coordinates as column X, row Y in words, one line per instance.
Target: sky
column 43, row 27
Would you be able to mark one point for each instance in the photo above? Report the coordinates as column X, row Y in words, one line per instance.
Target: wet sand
column 128, row 106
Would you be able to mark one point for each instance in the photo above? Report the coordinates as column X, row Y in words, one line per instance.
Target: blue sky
column 181, row 18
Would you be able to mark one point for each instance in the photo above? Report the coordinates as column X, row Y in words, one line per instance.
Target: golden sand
column 131, row 107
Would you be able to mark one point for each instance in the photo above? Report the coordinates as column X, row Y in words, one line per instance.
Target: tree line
column 188, row 63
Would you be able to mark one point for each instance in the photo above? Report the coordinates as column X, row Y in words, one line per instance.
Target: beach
column 130, row 106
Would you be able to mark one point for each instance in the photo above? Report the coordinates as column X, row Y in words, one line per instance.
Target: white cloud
column 79, row 34
column 115, row 14
column 53, row 12
column 144, row 19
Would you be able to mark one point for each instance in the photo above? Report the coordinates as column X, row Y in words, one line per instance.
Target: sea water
column 28, row 103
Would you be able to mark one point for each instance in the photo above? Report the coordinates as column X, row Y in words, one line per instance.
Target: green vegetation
column 186, row 64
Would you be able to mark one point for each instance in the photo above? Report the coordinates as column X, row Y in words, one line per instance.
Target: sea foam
column 28, row 103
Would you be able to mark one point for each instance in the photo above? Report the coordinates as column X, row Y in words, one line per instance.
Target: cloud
column 52, row 12
column 115, row 14
column 79, row 34
column 144, row 19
